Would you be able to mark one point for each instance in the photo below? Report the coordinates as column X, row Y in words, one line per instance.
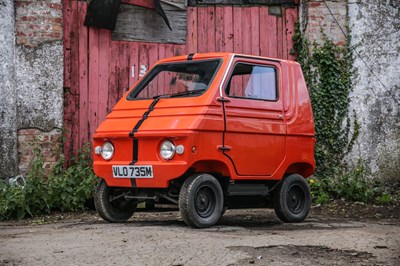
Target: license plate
column 132, row 171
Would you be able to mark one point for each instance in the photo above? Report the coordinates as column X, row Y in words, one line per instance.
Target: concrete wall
column 375, row 37
column 31, row 112
column 8, row 103
column 375, row 31
column 39, row 80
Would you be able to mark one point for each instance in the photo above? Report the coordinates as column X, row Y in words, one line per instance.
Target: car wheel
column 201, row 201
column 111, row 204
column 292, row 199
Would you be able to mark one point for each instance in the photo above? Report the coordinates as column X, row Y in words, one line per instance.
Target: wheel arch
column 302, row 168
column 211, row 166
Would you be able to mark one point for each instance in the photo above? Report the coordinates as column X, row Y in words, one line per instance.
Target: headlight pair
column 167, row 150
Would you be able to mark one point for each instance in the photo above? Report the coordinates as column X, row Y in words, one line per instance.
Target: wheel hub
column 205, row 202
column 295, row 199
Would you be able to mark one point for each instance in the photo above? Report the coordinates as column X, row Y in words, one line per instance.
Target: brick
column 55, row 6
column 38, row 22
column 29, row 140
column 315, row 4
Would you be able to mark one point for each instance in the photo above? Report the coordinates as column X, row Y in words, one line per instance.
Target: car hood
column 158, row 119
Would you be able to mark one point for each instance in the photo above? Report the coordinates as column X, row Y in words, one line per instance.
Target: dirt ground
column 336, row 234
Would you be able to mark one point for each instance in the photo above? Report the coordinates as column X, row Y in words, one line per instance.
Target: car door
column 254, row 137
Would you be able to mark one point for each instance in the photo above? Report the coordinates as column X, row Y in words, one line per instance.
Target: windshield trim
column 150, row 75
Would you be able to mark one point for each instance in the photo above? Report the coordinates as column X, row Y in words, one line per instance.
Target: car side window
column 253, row 82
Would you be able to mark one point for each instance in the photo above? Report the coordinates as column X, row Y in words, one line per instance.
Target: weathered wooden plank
column 67, row 15
column 71, row 94
column 134, row 67
column 93, row 94
column 113, row 67
column 210, row 24
column 202, row 29
column 161, row 80
column 191, row 40
column 144, row 62
column 264, row 33
column 284, row 40
column 179, row 49
column 83, row 76
column 123, row 69
column 228, row 33
column 238, row 44
column 246, row 30
column 169, row 52
column 152, row 49
column 279, row 28
column 291, row 18
column 255, row 30
column 104, row 58
column 272, row 36
column 219, row 29
column 237, row 30
column 75, row 81
column 136, row 23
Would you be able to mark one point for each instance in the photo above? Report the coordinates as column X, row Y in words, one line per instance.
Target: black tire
column 292, row 199
column 201, row 201
column 114, row 211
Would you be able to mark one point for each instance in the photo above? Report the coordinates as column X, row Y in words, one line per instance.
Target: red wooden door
column 97, row 70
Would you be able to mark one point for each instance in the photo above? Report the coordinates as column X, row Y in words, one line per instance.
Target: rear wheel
column 111, row 204
column 201, row 201
column 292, row 199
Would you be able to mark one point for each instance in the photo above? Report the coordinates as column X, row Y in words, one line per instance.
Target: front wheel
column 201, row 201
column 111, row 204
column 292, row 199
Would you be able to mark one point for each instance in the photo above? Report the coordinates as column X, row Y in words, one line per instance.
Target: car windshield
column 191, row 78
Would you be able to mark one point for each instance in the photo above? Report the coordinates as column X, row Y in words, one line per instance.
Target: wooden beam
column 242, row 2
column 142, row 3
column 136, row 23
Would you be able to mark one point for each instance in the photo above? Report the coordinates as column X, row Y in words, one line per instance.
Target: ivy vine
column 327, row 71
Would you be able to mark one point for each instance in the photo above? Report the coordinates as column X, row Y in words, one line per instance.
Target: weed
column 62, row 189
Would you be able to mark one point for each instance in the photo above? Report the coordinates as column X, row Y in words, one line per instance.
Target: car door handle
column 224, row 148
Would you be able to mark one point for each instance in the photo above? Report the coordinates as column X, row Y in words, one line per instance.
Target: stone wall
column 375, row 39
column 34, row 50
column 375, row 32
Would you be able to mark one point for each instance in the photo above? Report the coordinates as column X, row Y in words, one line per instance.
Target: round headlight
column 107, row 151
column 167, row 150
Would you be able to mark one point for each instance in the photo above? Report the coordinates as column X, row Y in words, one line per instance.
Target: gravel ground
column 242, row 237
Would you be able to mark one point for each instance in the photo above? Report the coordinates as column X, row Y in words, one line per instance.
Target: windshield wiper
column 186, row 93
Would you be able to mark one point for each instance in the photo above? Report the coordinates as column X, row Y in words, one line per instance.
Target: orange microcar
column 208, row 132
